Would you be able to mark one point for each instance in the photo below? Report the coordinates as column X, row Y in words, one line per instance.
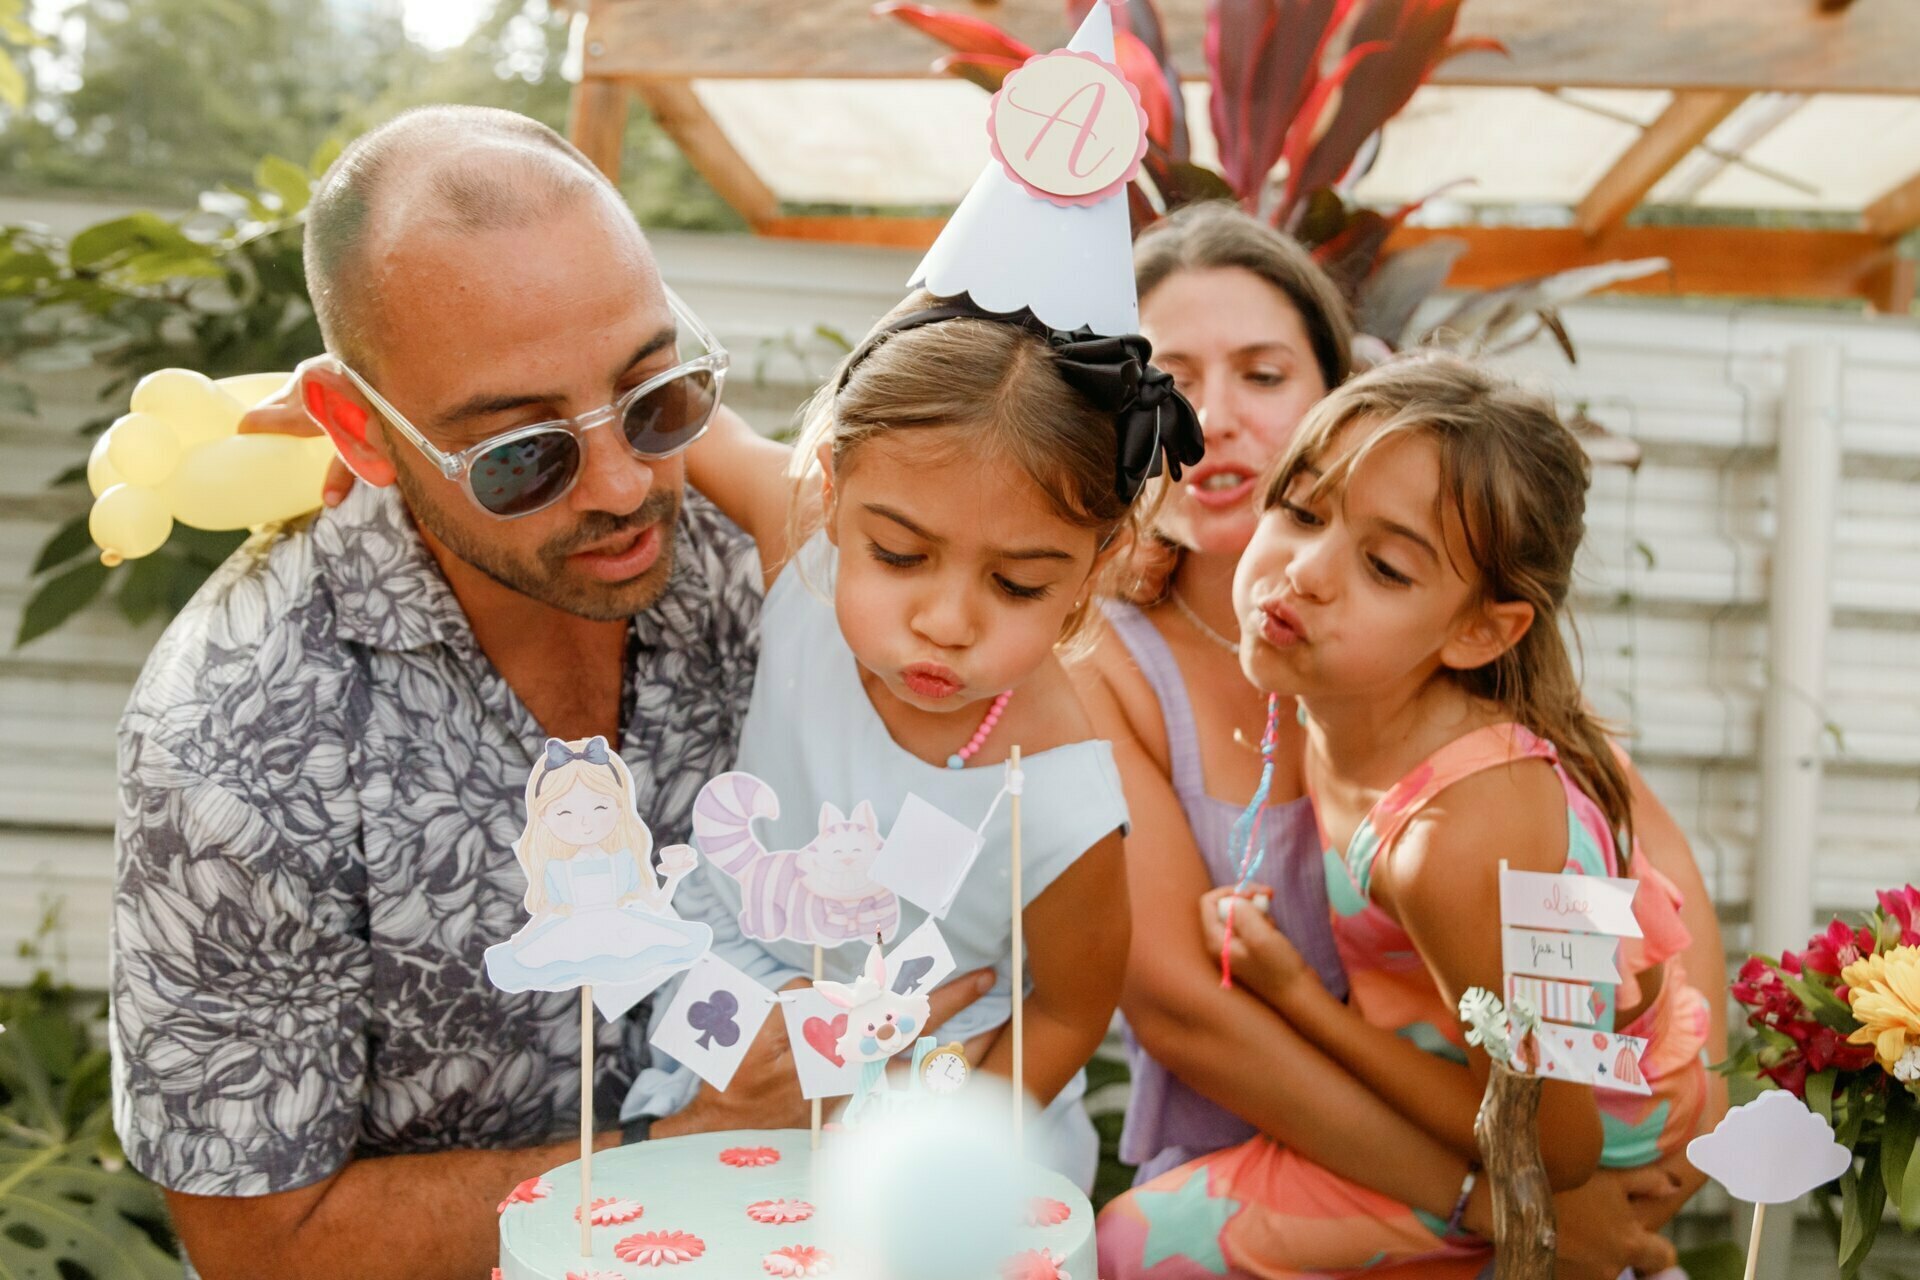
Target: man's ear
column 337, row 408
column 1485, row 634
column 827, row 494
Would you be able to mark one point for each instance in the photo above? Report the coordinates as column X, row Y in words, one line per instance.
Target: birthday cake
column 736, row 1205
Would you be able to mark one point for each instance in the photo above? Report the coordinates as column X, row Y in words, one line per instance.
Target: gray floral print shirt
column 321, row 777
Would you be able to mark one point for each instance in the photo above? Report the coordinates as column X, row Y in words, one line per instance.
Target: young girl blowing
column 961, row 499
column 1405, row 585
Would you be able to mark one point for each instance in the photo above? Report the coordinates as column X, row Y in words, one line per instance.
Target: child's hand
column 1260, row 955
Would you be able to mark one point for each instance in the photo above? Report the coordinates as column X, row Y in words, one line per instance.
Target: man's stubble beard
column 548, row 580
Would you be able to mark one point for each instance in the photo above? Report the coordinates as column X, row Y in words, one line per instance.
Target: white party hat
column 1020, row 240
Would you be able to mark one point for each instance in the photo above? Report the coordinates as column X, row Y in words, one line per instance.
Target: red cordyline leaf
column 1139, row 66
column 1306, row 131
column 1140, row 20
column 1419, row 37
column 958, row 31
column 1262, row 59
column 983, row 69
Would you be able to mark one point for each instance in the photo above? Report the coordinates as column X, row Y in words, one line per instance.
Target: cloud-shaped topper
column 1770, row 1151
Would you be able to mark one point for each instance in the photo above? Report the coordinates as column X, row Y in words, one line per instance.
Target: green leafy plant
column 1301, row 90
column 222, row 292
column 70, row 1206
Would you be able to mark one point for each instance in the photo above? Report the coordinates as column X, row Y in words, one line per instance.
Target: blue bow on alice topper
column 559, row 753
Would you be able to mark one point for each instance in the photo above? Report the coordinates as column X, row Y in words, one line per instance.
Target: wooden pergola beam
column 1711, row 261
column 1684, row 125
column 597, row 124
column 1715, row 261
column 1786, row 46
column 681, row 115
column 1896, row 212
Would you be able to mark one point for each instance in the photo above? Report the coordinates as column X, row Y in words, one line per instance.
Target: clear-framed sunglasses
column 521, row 471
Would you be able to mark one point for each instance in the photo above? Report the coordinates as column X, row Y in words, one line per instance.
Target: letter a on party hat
column 1045, row 227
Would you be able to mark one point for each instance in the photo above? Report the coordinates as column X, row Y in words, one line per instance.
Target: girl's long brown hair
column 1518, row 479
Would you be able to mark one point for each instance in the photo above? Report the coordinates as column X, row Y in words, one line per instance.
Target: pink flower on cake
column 780, row 1211
column 797, row 1260
column 1034, row 1264
column 660, row 1248
column 496, row 1274
column 610, row 1212
column 749, row 1157
column 1042, row 1212
column 595, row 1275
column 526, row 1193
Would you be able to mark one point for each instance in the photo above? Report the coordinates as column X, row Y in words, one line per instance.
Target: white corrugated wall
column 1673, row 596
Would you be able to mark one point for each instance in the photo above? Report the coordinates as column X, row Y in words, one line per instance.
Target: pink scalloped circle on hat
column 526, row 1193
column 797, row 1260
column 660, row 1248
column 780, row 1212
column 610, row 1211
column 1068, row 127
column 1044, row 1212
column 749, row 1157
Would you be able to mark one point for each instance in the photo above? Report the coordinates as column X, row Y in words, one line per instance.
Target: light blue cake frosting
column 667, row 1194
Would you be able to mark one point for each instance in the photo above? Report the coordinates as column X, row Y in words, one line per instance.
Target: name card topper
column 1581, row 904
column 1568, row 927
column 1068, row 127
column 1560, row 1001
column 1569, row 957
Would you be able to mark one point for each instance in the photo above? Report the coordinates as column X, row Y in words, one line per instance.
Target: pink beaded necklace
column 958, row 760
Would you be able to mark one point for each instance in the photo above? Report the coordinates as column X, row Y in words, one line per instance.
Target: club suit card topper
column 598, row 913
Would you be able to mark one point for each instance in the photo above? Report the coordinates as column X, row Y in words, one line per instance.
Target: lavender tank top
column 1167, row 1123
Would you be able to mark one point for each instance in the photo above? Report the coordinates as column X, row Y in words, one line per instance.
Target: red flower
column 1903, row 907
column 1838, row 947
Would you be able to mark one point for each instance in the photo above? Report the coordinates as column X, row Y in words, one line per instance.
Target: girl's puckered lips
column 1280, row 626
column 931, row 680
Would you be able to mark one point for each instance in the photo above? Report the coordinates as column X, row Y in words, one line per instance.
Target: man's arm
column 424, row 1217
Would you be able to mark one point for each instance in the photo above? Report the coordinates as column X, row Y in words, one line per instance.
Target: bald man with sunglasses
column 322, row 766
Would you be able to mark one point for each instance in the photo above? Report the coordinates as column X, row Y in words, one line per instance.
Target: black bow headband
column 1151, row 419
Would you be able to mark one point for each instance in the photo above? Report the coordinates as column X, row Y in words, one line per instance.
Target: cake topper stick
column 586, row 1120
column 819, row 972
column 1014, row 787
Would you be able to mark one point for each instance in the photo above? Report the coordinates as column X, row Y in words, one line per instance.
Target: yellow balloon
column 249, row 389
column 251, row 480
column 129, row 522
column 143, row 449
column 100, row 473
column 189, row 402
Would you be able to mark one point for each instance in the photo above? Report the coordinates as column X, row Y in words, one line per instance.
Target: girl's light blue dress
column 812, row 734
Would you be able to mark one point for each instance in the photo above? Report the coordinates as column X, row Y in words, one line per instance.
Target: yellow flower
column 1884, row 991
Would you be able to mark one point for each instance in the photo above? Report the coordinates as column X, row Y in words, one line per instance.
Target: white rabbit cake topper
column 598, row 913
column 880, row 1023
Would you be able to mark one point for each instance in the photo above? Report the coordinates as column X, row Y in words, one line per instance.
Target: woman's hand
column 1601, row 1228
column 1259, row 954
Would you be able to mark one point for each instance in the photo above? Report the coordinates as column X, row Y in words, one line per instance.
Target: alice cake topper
column 598, row 913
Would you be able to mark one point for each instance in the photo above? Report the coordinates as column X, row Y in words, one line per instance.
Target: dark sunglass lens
column 667, row 418
column 526, row 474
